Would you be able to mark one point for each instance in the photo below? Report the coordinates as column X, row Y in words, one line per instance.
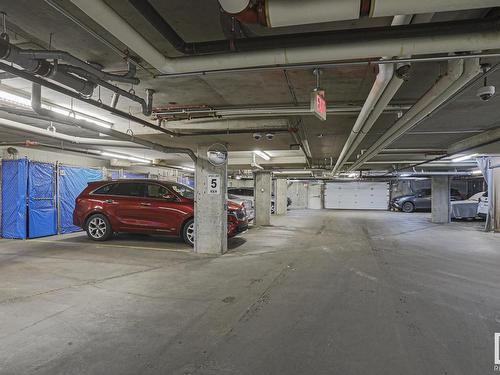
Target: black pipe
column 306, row 39
column 74, row 95
column 43, row 68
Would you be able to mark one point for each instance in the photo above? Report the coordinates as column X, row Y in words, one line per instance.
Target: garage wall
column 357, row 195
column 298, row 193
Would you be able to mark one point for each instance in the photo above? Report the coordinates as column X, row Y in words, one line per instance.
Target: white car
column 468, row 208
column 482, row 208
column 247, row 203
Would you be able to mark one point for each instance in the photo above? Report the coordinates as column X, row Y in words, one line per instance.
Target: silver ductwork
column 282, row 13
column 458, row 75
column 454, row 39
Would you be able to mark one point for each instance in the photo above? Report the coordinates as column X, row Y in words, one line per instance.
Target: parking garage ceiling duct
column 309, row 47
column 280, row 13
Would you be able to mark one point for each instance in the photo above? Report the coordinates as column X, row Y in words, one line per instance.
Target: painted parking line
column 100, row 246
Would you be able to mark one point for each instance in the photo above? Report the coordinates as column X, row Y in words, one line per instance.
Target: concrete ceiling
column 32, row 23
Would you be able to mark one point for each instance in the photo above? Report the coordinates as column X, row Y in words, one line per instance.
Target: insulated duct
column 458, row 75
column 387, row 83
column 319, row 47
column 280, row 13
column 43, row 68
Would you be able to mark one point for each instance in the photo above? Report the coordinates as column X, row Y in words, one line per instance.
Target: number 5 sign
column 213, row 183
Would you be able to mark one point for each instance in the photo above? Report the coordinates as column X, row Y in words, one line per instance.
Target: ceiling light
column 78, row 115
column 462, row 158
column 293, row 172
column 189, row 169
column 352, row 175
column 405, row 175
column 262, row 154
column 24, row 102
column 14, row 99
column 477, row 171
column 125, row 157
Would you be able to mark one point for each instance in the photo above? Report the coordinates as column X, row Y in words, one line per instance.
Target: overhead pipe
column 128, row 77
column 459, row 74
column 6, row 123
column 72, row 94
column 13, row 54
column 36, row 105
column 308, row 47
column 80, row 76
column 280, row 13
column 387, row 83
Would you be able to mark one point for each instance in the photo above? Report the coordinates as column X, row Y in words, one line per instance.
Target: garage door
column 357, row 195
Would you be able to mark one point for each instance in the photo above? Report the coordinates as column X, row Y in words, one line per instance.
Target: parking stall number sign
column 214, row 184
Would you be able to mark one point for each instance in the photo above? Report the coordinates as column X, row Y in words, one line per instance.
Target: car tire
column 408, row 207
column 188, row 232
column 98, row 228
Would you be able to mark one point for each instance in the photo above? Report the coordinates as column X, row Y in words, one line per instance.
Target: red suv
column 144, row 206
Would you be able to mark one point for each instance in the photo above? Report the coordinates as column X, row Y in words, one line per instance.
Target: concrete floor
column 320, row 292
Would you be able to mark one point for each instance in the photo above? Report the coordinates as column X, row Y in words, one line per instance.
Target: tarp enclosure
column 14, row 195
column 72, row 181
column 42, row 212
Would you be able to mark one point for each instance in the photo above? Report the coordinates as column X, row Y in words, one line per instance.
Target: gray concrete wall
column 298, row 192
column 210, row 208
column 440, row 199
column 263, row 189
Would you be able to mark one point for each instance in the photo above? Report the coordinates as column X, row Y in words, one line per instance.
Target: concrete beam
column 477, row 140
column 210, row 207
column 263, row 190
column 441, row 210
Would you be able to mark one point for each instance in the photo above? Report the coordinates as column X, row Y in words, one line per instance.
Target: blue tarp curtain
column 14, row 193
column 42, row 212
column 72, row 181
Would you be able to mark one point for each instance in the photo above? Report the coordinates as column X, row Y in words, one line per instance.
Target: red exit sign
column 318, row 104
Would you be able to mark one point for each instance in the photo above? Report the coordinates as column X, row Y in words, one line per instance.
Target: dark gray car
column 420, row 201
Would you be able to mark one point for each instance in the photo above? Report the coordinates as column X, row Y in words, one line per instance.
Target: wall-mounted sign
column 217, row 154
column 213, row 184
column 318, row 104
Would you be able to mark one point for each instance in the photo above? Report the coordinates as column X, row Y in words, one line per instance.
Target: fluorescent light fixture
column 9, row 98
column 477, row 171
column 14, row 99
column 352, row 175
column 463, row 158
column 78, row 115
column 125, row 157
column 189, row 169
column 262, row 154
column 405, row 175
column 294, row 172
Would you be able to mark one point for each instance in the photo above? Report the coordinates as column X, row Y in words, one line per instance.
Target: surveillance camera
column 486, row 92
column 257, row 136
column 269, row 136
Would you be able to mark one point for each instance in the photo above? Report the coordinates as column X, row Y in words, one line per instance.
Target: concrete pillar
column 263, row 189
column 441, row 210
column 494, row 194
column 210, row 207
column 280, row 196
